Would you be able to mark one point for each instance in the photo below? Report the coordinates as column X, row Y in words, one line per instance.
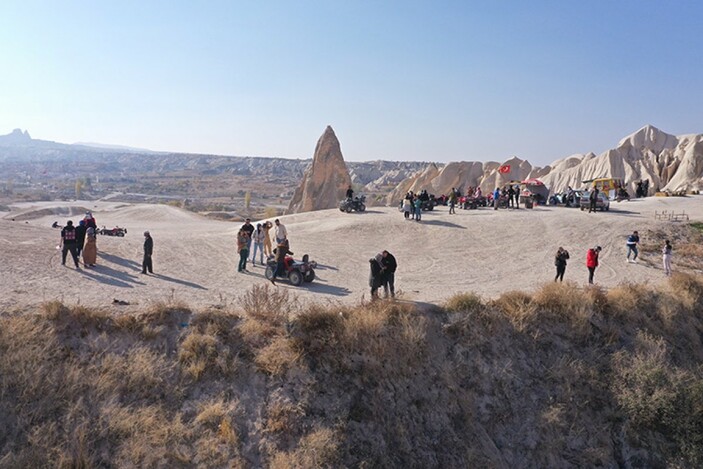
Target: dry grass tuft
column 318, row 449
column 517, row 306
column 463, row 303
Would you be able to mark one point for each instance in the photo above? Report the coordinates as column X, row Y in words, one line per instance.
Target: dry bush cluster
column 563, row 377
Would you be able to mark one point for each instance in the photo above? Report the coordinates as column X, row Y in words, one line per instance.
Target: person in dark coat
column 388, row 273
column 593, row 200
column 375, row 277
column 68, row 243
column 148, row 251
column 560, row 262
column 80, row 237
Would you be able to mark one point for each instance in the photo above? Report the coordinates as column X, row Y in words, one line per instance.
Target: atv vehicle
column 296, row 271
column 116, row 231
column 357, row 203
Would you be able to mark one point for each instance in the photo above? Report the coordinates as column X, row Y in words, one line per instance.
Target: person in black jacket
column 80, row 237
column 560, row 262
column 375, row 277
column 148, row 251
column 69, row 243
column 388, row 273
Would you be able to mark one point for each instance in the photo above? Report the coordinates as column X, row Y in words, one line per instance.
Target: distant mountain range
column 673, row 163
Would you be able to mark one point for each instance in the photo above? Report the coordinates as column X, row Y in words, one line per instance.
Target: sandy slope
column 195, row 258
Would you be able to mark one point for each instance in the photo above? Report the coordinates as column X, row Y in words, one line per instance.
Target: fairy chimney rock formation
column 325, row 182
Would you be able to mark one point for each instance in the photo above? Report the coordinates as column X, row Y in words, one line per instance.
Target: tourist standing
column 632, row 242
column 560, row 262
column 280, row 232
column 389, row 266
column 592, row 262
column 407, row 208
column 258, row 239
column 592, row 200
column 418, row 208
column 90, row 250
column 80, row 237
column 452, row 201
column 268, row 249
column 375, row 280
column 69, row 243
column 249, row 228
column 496, row 198
column 147, row 265
column 243, row 241
column 666, row 257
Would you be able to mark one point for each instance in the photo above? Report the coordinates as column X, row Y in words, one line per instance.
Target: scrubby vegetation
column 564, row 377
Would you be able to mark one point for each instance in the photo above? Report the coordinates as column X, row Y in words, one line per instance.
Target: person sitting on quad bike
column 281, row 251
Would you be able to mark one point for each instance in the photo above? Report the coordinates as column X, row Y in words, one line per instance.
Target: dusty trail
column 195, row 259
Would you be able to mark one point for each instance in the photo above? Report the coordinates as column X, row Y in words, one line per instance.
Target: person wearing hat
column 69, row 243
column 592, row 262
column 148, row 251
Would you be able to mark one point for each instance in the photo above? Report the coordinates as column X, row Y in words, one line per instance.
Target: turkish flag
column 504, row 169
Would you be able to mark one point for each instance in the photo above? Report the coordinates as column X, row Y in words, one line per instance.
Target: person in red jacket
column 592, row 262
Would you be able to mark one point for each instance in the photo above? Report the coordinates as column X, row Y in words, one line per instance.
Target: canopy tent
column 535, row 188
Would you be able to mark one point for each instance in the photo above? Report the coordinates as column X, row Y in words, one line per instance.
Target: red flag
column 504, row 169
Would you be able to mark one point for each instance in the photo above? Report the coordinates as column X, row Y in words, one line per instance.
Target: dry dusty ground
column 195, row 258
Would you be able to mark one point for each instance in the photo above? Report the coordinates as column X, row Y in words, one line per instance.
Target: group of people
column 593, row 254
column 260, row 238
column 383, row 267
column 509, row 195
column 80, row 241
column 412, row 205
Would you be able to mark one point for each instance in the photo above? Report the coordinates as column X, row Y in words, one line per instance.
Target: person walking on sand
column 632, row 242
column 147, row 265
column 375, row 276
column 257, row 238
column 452, row 201
column 90, row 249
column 243, row 240
column 389, row 266
column 666, row 257
column 592, row 262
column 280, row 232
column 69, row 243
column 560, row 263
column 281, row 251
column 268, row 249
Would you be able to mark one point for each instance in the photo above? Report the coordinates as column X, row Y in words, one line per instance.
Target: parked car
column 602, row 202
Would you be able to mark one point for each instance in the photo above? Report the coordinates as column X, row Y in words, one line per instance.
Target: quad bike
column 116, row 231
column 357, row 203
column 296, row 271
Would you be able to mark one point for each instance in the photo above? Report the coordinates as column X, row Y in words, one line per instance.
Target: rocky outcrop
column 670, row 163
column 325, row 181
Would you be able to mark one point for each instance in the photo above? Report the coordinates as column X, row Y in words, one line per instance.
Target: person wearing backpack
column 69, row 243
column 592, row 262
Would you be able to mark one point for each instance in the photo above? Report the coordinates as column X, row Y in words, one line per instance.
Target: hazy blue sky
column 405, row 80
